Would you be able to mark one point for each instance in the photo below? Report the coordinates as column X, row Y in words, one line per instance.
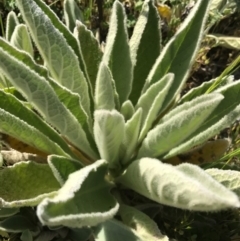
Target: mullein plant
column 107, row 121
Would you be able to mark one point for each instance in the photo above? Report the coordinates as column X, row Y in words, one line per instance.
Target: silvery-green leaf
column 13, row 106
column 114, row 230
column 178, row 124
column 151, row 102
column 71, row 100
column 19, row 129
column 109, row 132
column 26, row 184
column 202, row 89
column 73, row 103
column 226, row 113
column 59, row 57
column 179, row 53
column 72, row 13
column 143, row 225
column 64, row 30
column 127, row 110
column 117, row 52
column 104, row 91
column 62, row 167
column 130, row 139
column 84, row 200
column 144, row 46
column 228, row 178
column 224, row 41
column 21, row 39
column 39, row 93
column 185, row 186
column 91, row 58
column 12, row 22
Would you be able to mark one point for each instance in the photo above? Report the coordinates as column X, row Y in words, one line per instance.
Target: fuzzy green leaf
column 104, row 90
column 226, row 113
column 108, row 133
column 91, row 58
column 178, row 124
column 13, row 126
column 117, row 52
column 26, row 184
column 62, row 62
column 14, row 107
column 151, row 102
column 62, row 167
column 130, row 139
column 12, row 22
column 144, row 226
column 179, row 53
column 202, row 89
column 144, row 46
column 40, row 94
column 84, row 200
column 21, row 39
column 228, row 178
column 185, row 186
column 72, row 13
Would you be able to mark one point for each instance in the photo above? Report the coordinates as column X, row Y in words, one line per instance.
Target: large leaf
column 39, row 93
column 14, row 107
column 179, row 53
column 93, row 57
column 108, row 133
column 203, row 88
column 27, row 184
column 144, row 46
column 13, row 126
column 185, row 186
column 177, row 125
column 130, row 138
column 61, row 61
column 84, row 200
column 21, row 39
column 226, row 113
column 151, row 102
column 117, row 52
column 228, row 178
column 144, row 226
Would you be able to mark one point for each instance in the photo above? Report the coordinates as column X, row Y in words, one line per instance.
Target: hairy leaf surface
column 185, row 186
column 84, row 200
column 144, row 47
column 178, row 124
column 26, row 184
column 117, row 52
column 60, row 58
column 39, row 93
column 179, row 53
column 108, row 133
